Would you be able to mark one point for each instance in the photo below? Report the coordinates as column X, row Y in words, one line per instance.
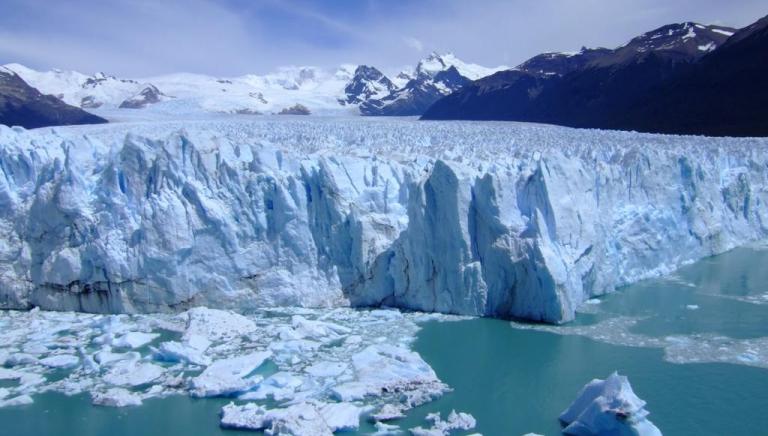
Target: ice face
column 282, row 368
column 608, row 407
column 497, row 219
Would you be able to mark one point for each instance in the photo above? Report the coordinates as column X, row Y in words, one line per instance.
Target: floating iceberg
column 608, row 407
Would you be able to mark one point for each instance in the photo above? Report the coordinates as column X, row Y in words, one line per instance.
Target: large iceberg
column 608, row 407
column 495, row 219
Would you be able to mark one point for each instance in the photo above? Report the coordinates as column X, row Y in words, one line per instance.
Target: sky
column 141, row 38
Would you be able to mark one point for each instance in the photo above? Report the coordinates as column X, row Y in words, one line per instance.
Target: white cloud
column 226, row 37
column 413, row 43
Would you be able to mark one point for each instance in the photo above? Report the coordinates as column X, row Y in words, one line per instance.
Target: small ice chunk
column 19, row 359
column 388, row 412
column 384, row 367
column 106, row 357
column 280, row 386
column 383, row 429
column 134, row 340
column 249, row 416
column 319, row 330
column 298, row 419
column 20, row 400
column 455, row 421
column 692, row 307
column 217, row 325
column 132, row 373
column 173, row 351
column 228, row 376
column 116, row 397
column 340, row 416
column 608, row 407
column 62, row 361
column 326, row 369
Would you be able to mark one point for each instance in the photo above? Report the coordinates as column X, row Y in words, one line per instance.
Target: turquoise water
column 516, row 381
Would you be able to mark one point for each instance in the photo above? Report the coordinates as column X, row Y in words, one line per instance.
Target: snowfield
column 491, row 219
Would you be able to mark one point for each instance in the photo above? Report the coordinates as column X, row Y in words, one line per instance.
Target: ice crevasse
column 499, row 219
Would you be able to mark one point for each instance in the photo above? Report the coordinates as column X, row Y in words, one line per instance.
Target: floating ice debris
column 116, row 397
column 388, row 412
column 389, row 368
column 383, row 429
column 229, row 376
column 692, row 307
column 455, row 421
column 695, row 348
column 308, row 354
column 60, row 361
column 608, row 407
column 134, row 340
column 132, row 373
column 216, row 325
column 298, row 419
column 20, row 400
column 340, row 416
column 191, row 350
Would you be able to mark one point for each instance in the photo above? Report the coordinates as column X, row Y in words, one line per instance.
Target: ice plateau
column 495, row 219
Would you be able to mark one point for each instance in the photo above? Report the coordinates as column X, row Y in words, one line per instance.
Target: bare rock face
column 148, row 96
column 297, row 109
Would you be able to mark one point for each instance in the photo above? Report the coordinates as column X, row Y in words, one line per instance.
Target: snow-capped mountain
column 23, row 105
column 560, row 63
column 322, row 91
column 367, row 83
column 434, row 77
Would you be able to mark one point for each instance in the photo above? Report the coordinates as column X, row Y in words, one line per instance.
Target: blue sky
column 230, row 37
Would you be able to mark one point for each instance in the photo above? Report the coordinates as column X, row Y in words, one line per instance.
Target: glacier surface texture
column 493, row 219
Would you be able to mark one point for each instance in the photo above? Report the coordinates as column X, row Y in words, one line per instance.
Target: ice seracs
column 608, row 407
column 504, row 220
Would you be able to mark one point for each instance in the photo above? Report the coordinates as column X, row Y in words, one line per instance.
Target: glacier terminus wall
column 491, row 219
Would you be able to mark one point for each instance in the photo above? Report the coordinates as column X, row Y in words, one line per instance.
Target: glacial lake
column 516, row 378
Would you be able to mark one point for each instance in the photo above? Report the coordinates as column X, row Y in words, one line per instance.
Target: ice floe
column 693, row 348
column 288, row 371
column 116, row 397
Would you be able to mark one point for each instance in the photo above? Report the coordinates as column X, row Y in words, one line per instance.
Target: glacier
column 494, row 219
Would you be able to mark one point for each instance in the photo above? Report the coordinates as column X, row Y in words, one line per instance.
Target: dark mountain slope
column 22, row 105
column 668, row 80
column 725, row 94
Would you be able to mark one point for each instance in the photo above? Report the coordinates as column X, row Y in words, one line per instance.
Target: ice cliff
column 506, row 219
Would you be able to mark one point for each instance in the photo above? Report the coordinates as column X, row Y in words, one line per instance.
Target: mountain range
column 683, row 78
column 347, row 90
